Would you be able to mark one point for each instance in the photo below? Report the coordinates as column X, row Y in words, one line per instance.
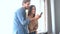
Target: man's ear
column 23, row 4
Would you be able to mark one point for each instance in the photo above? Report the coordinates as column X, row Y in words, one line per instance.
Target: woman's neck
column 31, row 15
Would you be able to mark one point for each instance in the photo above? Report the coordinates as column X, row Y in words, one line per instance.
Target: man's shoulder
column 20, row 10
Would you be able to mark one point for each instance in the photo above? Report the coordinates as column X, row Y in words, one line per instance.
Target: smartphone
column 41, row 13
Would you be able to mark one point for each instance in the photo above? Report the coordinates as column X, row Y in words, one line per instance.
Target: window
column 7, row 9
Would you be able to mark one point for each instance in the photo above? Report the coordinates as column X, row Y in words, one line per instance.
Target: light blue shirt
column 20, row 22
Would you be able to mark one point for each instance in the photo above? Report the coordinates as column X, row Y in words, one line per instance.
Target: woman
column 33, row 25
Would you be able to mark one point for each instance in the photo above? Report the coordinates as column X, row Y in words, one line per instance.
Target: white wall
column 7, row 9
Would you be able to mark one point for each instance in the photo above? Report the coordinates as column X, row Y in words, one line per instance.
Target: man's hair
column 24, row 1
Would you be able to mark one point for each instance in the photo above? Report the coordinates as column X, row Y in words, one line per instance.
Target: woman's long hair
column 30, row 9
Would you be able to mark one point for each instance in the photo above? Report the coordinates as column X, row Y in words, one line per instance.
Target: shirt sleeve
column 23, row 20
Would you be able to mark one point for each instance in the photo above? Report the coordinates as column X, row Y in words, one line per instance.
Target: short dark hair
column 24, row 1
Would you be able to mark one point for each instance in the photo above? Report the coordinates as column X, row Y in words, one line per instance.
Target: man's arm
column 22, row 19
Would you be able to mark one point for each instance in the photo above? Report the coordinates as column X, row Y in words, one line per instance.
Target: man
column 20, row 20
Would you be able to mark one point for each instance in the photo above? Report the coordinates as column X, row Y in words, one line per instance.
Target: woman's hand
column 37, row 17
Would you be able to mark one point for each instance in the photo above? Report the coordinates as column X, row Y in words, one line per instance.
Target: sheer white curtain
column 40, row 8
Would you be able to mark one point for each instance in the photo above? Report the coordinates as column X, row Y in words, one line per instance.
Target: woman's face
column 33, row 10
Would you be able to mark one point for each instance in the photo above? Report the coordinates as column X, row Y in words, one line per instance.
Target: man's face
column 27, row 4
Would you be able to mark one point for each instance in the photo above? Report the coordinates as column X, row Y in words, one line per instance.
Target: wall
column 57, row 15
column 7, row 9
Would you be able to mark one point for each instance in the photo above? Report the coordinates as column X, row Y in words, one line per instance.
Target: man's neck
column 24, row 7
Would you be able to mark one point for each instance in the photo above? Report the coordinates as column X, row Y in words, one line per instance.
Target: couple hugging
column 26, row 24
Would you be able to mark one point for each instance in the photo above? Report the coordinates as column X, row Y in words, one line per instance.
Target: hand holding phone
column 38, row 16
